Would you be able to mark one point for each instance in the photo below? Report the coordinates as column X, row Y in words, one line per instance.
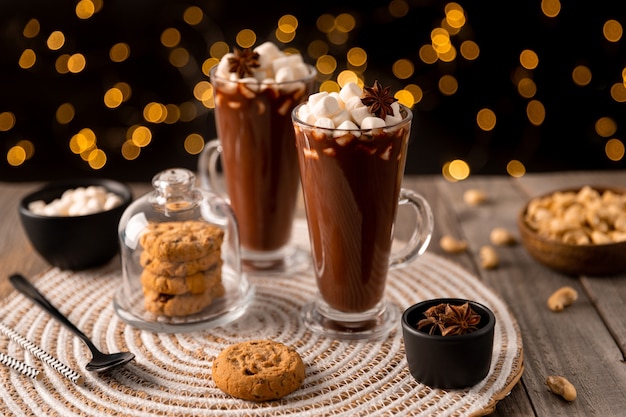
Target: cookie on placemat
column 181, row 304
column 173, row 285
column 181, row 241
column 258, row 370
column 179, row 269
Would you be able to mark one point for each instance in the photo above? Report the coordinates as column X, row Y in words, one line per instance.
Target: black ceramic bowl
column 74, row 242
column 448, row 362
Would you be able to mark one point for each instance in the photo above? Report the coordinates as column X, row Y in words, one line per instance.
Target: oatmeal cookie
column 181, row 304
column 181, row 241
column 179, row 269
column 258, row 370
column 173, row 285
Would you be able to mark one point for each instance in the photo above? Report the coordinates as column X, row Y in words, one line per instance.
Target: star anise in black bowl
column 448, row 342
column 449, row 319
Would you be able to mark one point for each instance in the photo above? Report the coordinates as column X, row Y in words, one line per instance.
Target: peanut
column 561, row 386
column 452, row 245
column 501, row 236
column 562, row 298
column 589, row 212
column 488, row 257
column 474, row 197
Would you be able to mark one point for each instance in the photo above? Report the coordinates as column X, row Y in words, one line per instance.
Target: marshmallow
column 372, row 123
column 271, row 60
column 353, row 102
column 348, row 125
column 360, row 113
column 337, row 97
column 395, row 106
column 268, row 52
column 223, row 66
column 345, row 109
column 300, row 71
column 78, row 202
column 350, row 90
column 324, row 122
column 284, row 74
column 346, row 130
column 304, row 114
column 314, row 98
column 326, row 107
column 392, row 120
column 112, row 201
column 341, row 117
column 290, row 61
column 396, row 117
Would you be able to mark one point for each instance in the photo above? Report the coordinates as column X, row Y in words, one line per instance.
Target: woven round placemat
column 172, row 372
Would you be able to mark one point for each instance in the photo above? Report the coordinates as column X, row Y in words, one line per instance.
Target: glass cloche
column 180, row 258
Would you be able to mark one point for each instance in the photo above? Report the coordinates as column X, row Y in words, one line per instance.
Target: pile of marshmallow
column 344, row 110
column 79, row 201
column 275, row 66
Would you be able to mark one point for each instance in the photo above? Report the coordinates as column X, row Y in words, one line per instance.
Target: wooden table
column 586, row 343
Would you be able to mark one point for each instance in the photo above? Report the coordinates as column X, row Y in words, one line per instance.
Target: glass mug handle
column 207, row 168
column 422, row 233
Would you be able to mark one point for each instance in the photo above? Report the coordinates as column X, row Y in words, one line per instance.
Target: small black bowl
column 448, row 362
column 74, row 242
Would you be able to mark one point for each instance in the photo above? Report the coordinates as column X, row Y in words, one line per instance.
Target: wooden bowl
column 573, row 259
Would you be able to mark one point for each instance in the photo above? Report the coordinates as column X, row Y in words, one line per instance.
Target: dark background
column 444, row 128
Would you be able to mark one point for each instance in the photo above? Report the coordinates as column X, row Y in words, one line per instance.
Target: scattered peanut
column 561, row 386
column 474, row 197
column 488, row 257
column 452, row 245
column 562, row 298
column 501, row 237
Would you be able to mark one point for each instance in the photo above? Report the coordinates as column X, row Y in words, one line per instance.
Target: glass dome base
column 223, row 310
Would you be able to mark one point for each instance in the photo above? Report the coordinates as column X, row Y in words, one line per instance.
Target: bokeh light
column 246, row 38
column 486, row 119
column 7, row 121
column 605, row 127
column 581, row 75
column 536, row 112
column 614, row 149
column 612, row 30
column 76, row 63
column 119, row 52
column 56, row 40
column 456, row 170
column 65, row 113
column 515, row 168
column 194, row 143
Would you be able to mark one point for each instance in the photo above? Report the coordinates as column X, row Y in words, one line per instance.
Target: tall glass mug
column 351, row 181
column 260, row 166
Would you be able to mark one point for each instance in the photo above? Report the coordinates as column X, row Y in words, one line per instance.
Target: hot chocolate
column 260, row 162
column 352, row 147
column 255, row 92
column 352, row 183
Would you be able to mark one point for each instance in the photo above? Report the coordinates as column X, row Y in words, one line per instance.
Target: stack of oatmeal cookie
column 182, row 267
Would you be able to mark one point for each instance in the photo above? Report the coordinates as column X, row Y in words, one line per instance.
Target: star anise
column 378, row 99
column 450, row 319
column 434, row 319
column 243, row 61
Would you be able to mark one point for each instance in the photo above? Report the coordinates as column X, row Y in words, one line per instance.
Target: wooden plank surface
column 586, row 342
column 16, row 253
